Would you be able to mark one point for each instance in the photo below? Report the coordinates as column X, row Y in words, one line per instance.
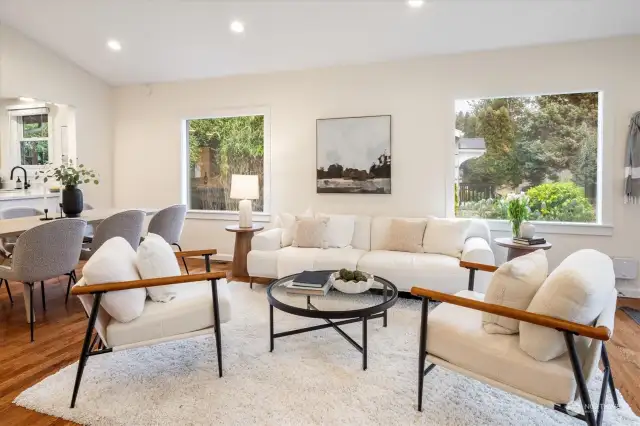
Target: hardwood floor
column 60, row 330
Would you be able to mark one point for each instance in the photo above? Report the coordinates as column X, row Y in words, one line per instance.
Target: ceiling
column 167, row 40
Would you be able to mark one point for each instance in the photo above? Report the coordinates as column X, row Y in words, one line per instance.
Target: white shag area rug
column 312, row 378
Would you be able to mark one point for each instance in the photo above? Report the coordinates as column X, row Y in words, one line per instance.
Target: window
column 218, row 148
column 33, row 137
column 545, row 146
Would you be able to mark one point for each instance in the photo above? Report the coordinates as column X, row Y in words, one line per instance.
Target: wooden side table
column 517, row 250
column 242, row 248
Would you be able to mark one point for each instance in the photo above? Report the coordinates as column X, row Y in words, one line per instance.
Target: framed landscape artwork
column 353, row 155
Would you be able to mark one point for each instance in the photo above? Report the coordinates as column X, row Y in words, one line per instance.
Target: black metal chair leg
column 582, row 385
column 216, row 319
column 31, row 313
column 423, row 349
column 8, row 290
column 86, row 346
column 612, row 386
column 44, row 303
column 66, row 297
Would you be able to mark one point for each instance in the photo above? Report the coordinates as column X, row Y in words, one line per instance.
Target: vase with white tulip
column 517, row 210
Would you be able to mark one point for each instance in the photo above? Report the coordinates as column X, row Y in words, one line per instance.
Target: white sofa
column 268, row 259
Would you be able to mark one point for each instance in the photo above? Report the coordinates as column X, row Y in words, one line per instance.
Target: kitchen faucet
column 26, row 184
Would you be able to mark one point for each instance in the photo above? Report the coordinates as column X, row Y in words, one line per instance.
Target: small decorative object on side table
column 242, row 248
column 245, row 188
column 517, row 211
column 517, row 250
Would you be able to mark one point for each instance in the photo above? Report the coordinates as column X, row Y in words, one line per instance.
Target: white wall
column 419, row 94
column 29, row 69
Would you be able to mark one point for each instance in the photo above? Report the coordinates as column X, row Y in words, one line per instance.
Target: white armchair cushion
column 191, row 310
column 455, row 334
column 445, row 236
column 155, row 259
column 115, row 261
column 577, row 290
column 268, row 240
column 513, row 285
column 339, row 231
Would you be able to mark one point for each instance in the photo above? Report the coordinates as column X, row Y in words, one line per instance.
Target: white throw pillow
column 310, row 232
column 405, row 235
column 445, row 236
column 155, row 259
column 287, row 222
column 339, row 232
column 577, row 290
column 115, row 261
column 513, row 285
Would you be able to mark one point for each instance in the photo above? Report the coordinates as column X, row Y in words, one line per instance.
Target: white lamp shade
column 245, row 187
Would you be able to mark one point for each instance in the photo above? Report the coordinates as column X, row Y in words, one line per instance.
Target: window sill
column 566, row 228
column 226, row 216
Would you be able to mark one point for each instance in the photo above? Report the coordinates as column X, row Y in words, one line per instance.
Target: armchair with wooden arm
column 451, row 336
column 190, row 314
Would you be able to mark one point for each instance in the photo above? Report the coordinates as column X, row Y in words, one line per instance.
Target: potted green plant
column 517, row 211
column 69, row 177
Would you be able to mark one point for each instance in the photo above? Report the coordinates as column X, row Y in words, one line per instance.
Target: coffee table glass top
column 335, row 304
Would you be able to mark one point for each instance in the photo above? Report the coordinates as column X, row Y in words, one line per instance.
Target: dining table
column 15, row 227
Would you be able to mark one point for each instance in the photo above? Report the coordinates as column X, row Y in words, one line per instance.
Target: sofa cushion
column 578, row 291
column 287, row 222
column 455, row 334
column 263, row 263
column 115, row 261
column 339, row 231
column 310, row 232
column 293, row 260
column 405, row 235
column 405, row 270
column 155, row 259
column 362, row 233
column 513, row 285
column 191, row 310
column 445, row 236
column 334, row 258
column 380, row 226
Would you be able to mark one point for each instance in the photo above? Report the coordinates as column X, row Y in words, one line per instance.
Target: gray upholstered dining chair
column 168, row 223
column 43, row 252
column 88, row 232
column 8, row 243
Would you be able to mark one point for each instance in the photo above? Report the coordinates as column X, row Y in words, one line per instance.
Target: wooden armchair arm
column 478, row 266
column 193, row 253
column 153, row 282
column 599, row 333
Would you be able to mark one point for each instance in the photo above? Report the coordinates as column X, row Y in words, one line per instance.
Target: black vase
column 72, row 202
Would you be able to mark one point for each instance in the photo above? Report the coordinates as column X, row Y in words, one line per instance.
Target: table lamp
column 245, row 188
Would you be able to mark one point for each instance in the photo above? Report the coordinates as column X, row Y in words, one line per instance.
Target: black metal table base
column 329, row 323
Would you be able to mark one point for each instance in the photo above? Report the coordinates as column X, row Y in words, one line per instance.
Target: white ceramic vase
column 527, row 229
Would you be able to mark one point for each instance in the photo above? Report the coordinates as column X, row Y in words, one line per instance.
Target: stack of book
column 529, row 241
column 310, row 283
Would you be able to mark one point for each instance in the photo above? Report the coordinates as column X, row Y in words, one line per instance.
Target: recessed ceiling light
column 415, row 3
column 237, row 27
column 114, row 45
column 25, row 99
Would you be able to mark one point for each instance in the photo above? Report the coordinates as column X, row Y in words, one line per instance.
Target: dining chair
column 168, row 223
column 43, row 252
column 8, row 243
column 88, row 233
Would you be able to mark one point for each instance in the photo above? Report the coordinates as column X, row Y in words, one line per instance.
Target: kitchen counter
column 22, row 194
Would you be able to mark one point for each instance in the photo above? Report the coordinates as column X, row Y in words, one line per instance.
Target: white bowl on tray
column 351, row 287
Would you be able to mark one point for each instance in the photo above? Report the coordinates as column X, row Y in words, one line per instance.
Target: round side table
column 242, row 248
column 517, row 250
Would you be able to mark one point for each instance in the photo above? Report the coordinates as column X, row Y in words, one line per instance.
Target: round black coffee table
column 347, row 308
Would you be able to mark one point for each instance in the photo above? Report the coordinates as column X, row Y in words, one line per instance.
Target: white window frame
column 603, row 226
column 265, row 215
column 16, row 133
